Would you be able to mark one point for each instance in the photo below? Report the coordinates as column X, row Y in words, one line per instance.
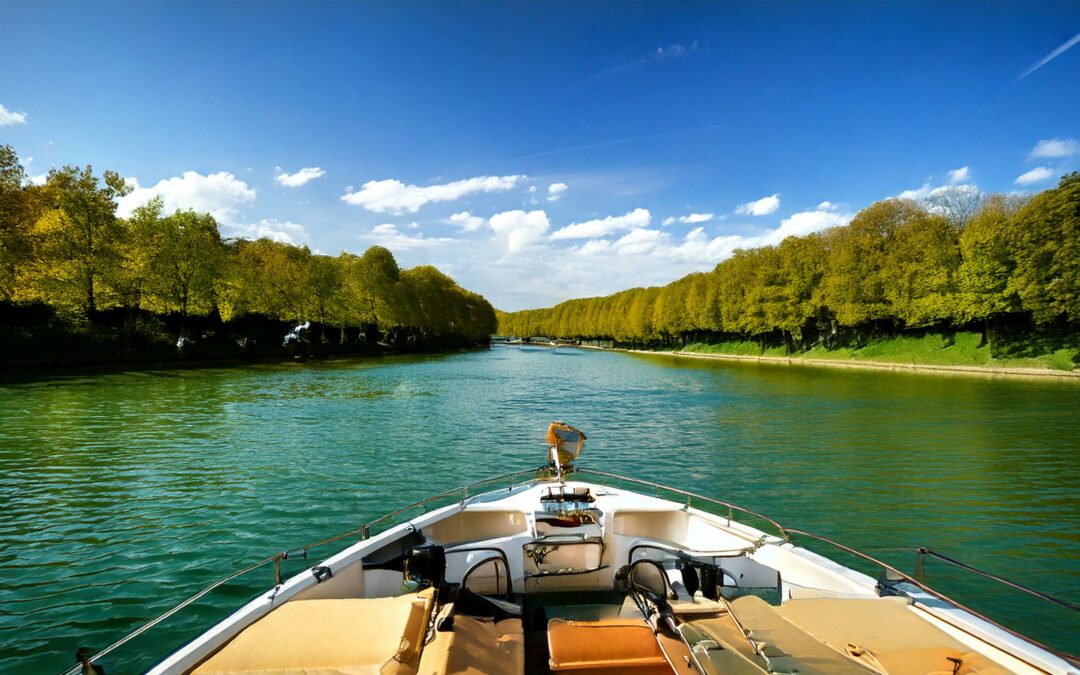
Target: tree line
column 999, row 264
column 63, row 247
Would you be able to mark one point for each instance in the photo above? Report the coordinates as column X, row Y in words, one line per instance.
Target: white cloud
column 1036, row 175
column 692, row 219
column 805, row 222
column 219, row 194
column 389, row 236
column 532, row 189
column 555, row 191
column 518, row 229
column 604, row 226
column 39, row 179
column 959, row 175
column 283, row 231
column 9, row 118
column 305, row 175
column 638, row 241
column 696, row 249
column 393, row 196
column 1054, row 148
column 467, row 221
column 761, row 207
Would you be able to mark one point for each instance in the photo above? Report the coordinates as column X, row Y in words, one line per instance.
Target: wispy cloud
column 555, row 191
column 616, row 141
column 1065, row 46
column 693, row 218
column 658, row 55
column 760, row 207
column 393, row 196
column 600, row 227
column 1055, row 148
column 961, row 175
column 9, row 118
column 1036, row 175
column 305, row 175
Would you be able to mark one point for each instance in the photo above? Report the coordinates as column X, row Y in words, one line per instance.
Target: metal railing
column 534, row 476
column 907, row 578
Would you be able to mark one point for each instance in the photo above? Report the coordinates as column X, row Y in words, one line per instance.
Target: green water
column 122, row 493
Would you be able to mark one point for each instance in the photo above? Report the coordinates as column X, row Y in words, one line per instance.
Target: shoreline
column 873, row 365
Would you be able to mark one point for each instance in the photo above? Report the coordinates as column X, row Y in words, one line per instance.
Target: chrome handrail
column 735, row 507
column 365, row 529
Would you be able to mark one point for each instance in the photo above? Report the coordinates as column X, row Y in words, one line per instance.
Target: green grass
column 964, row 350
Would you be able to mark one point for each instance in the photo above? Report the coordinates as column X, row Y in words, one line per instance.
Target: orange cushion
column 607, row 644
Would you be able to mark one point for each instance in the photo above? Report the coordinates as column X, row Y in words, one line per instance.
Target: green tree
column 1046, row 246
column 75, row 241
column 986, row 265
column 17, row 214
column 919, row 270
column 187, row 265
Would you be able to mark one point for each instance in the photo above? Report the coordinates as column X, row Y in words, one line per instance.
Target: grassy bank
column 962, row 349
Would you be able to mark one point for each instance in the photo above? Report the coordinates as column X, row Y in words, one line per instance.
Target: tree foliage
column 62, row 244
column 898, row 265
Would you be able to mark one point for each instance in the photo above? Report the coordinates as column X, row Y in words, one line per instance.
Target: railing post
column 365, row 532
column 920, row 564
column 277, row 570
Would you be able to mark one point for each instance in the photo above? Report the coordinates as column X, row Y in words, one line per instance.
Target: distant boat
column 551, row 572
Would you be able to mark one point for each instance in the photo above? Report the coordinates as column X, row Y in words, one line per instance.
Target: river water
column 123, row 492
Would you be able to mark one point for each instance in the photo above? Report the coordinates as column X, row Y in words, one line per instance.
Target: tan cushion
column 697, row 605
column 789, row 647
column 476, row 647
column 352, row 636
column 888, row 629
column 606, row 644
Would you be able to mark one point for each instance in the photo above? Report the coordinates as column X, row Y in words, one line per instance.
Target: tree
column 74, row 242
column 16, row 217
column 1046, row 246
column 186, row 265
column 986, row 263
column 919, row 270
column 138, row 246
column 854, row 287
column 325, row 276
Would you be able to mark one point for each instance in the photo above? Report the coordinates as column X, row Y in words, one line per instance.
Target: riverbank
column 874, row 365
column 961, row 353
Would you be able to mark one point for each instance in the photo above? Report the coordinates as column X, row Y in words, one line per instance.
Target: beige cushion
column 355, row 636
column 885, row 630
column 476, row 647
column 606, row 644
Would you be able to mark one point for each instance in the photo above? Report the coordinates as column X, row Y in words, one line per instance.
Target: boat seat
column 475, row 646
column 885, row 631
column 788, row 647
column 605, row 647
column 353, row 636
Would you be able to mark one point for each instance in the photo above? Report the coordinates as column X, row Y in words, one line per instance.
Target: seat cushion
column 889, row 630
column 354, row 636
column 607, row 644
column 476, row 646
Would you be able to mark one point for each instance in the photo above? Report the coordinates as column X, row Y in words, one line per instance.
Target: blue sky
column 673, row 133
